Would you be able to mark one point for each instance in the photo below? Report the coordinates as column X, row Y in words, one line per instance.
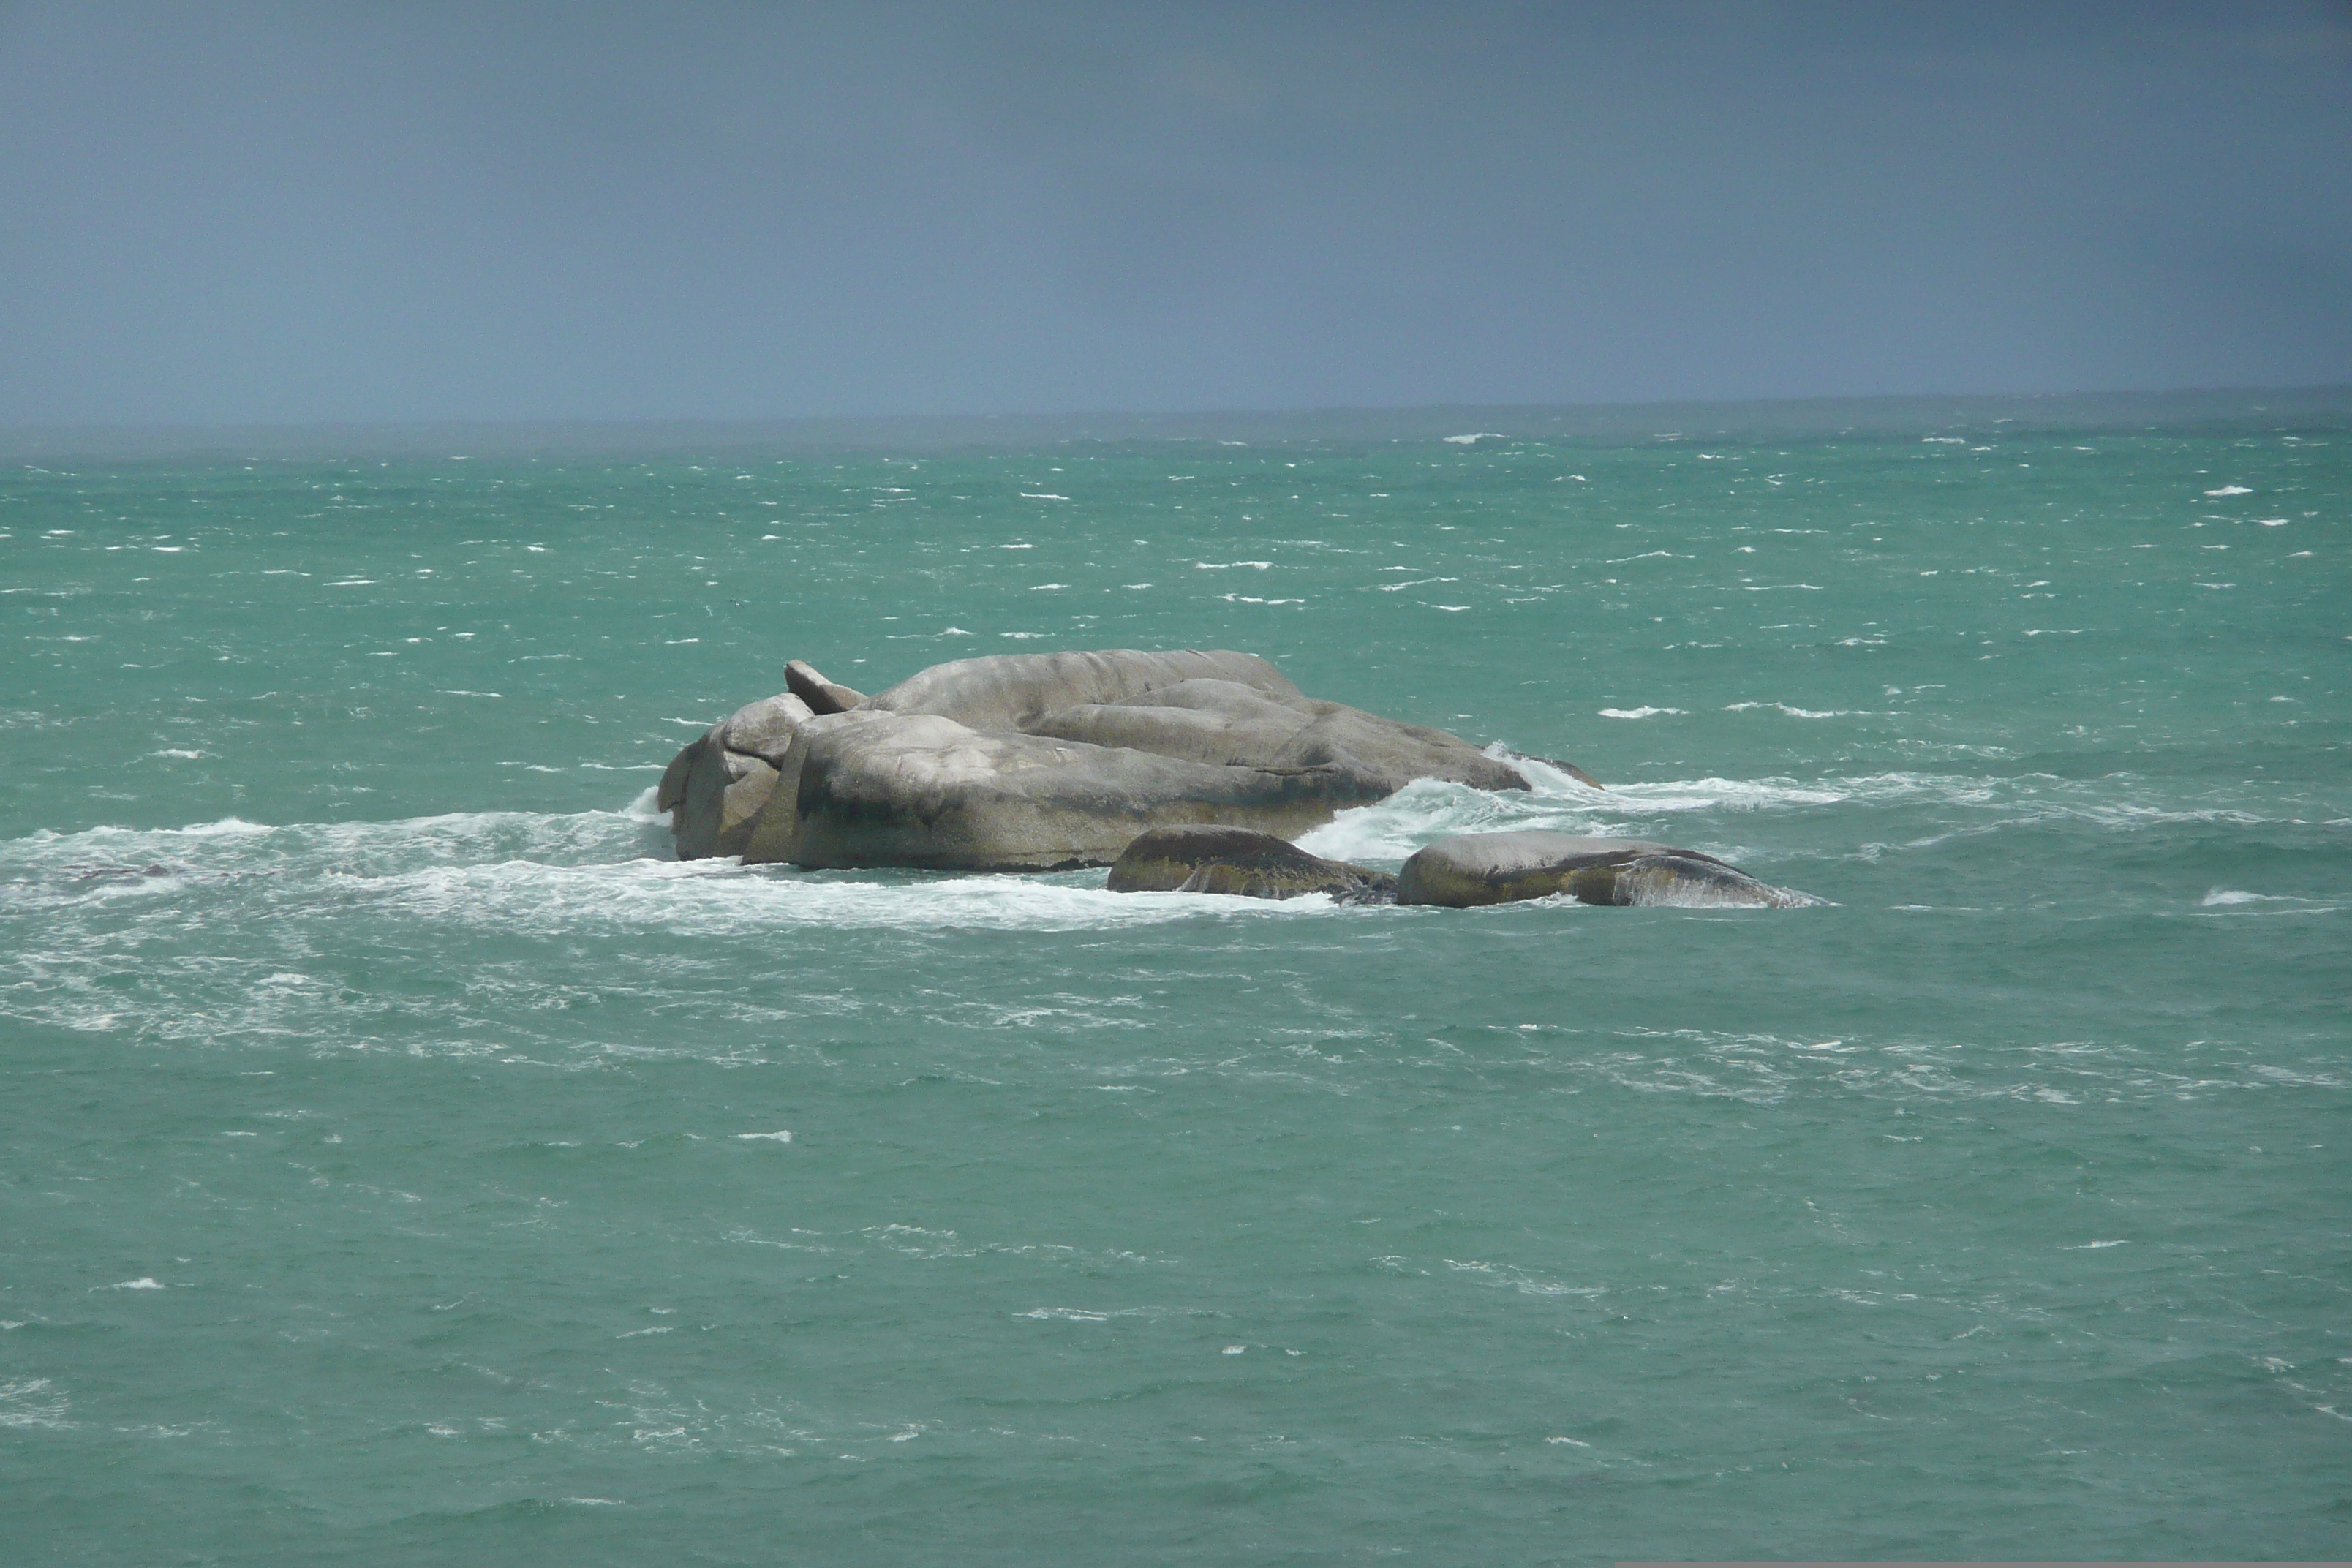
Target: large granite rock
column 882, row 789
column 1242, row 861
column 1474, row 869
column 1030, row 761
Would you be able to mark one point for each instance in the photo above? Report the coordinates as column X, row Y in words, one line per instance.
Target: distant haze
column 234, row 214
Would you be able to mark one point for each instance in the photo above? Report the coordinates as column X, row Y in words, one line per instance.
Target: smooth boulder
column 1242, row 862
column 1474, row 869
column 764, row 729
column 1235, row 725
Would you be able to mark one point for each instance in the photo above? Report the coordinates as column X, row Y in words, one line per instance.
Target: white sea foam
column 1512, row 1277
column 1473, row 438
column 1637, row 712
column 2282, row 903
column 2230, row 490
column 1799, row 712
column 31, row 1402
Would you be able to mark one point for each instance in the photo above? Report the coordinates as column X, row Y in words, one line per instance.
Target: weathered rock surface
column 1239, row 860
column 1012, row 691
column 1474, row 869
column 1030, row 761
column 671, row 792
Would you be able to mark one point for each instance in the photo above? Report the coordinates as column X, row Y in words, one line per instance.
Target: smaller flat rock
column 1242, row 862
column 1476, row 868
column 804, row 681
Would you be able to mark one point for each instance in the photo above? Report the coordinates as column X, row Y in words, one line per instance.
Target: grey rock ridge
column 1474, row 868
column 1240, row 861
column 1037, row 762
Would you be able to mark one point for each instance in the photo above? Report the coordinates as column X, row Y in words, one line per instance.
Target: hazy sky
column 242, row 213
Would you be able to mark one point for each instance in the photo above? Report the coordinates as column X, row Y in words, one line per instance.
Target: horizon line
column 2329, row 402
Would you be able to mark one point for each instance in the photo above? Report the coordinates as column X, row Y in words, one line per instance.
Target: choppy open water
column 396, row 1166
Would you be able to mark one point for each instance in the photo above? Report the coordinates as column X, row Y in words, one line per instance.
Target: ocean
column 408, row 1160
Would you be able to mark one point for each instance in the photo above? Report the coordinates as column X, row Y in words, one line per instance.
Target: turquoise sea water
column 394, row 1161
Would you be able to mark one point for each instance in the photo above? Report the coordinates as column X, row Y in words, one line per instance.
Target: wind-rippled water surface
column 408, row 1161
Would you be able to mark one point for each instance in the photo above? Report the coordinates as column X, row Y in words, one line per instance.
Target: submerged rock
column 1476, row 868
column 1571, row 769
column 1037, row 761
column 1239, row 860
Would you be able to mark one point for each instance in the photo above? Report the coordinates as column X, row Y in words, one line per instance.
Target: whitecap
column 1799, row 712
column 1637, row 712
column 32, row 1402
column 2230, row 490
column 1473, row 438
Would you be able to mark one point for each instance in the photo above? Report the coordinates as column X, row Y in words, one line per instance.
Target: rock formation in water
column 1037, row 762
column 1474, row 869
column 1240, row 861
